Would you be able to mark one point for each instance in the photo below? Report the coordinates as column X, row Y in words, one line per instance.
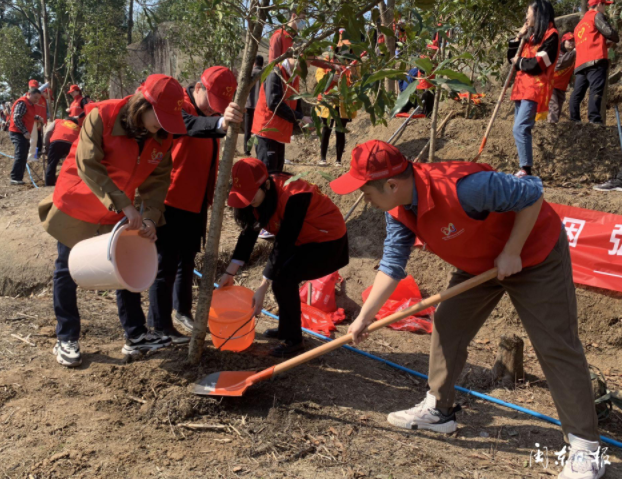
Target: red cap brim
column 218, row 104
column 236, row 199
column 346, row 184
column 171, row 122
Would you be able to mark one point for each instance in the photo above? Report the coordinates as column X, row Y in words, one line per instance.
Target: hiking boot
column 612, row 185
column 67, row 353
column 266, row 235
column 145, row 343
column 287, row 349
column 272, row 333
column 184, row 320
column 176, row 337
column 17, row 182
column 584, row 461
column 425, row 416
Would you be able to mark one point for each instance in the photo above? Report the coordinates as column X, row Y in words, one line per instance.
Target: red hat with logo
column 248, row 175
column 372, row 160
column 221, row 85
column 594, row 3
column 567, row 36
column 166, row 95
column 33, row 83
column 73, row 88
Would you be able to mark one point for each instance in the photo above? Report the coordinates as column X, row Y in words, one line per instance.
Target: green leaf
column 296, row 177
column 382, row 74
column 268, row 69
column 424, row 64
column 403, row 98
column 324, row 82
column 454, row 85
column 326, row 176
column 461, row 77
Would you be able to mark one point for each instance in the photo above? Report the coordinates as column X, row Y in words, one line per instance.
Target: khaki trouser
column 544, row 296
column 555, row 105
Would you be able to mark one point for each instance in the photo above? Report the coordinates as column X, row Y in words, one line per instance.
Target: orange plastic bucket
column 231, row 315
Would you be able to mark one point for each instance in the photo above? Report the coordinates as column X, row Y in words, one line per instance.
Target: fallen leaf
column 333, row 430
column 236, row 469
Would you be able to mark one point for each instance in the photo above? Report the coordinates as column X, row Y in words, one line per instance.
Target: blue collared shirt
column 479, row 194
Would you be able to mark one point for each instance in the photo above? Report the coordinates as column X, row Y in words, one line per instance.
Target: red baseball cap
column 248, row 175
column 166, row 95
column 221, row 86
column 73, row 88
column 33, row 83
column 372, row 160
column 567, row 36
column 594, row 3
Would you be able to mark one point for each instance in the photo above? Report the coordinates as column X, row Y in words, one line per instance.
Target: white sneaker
column 287, row 162
column 67, row 353
column 145, row 343
column 584, row 460
column 322, row 163
column 425, row 416
column 266, row 235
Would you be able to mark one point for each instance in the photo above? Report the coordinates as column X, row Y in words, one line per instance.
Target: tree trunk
column 47, row 70
column 208, row 271
column 583, row 6
column 508, row 365
column 469, row 95
column 433, row 125
column 387, row 20
column 130, row 20
column 53, row 72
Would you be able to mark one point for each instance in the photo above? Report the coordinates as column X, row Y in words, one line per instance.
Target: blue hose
column 482, row 396
column 27, row 167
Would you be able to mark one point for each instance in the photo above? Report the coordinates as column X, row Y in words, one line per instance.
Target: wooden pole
column 210, row 258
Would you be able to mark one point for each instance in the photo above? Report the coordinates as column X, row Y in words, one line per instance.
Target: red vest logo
column 450, row 232
column 156, row 157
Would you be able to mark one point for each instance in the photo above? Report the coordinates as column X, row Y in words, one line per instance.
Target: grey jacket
column 255, row 90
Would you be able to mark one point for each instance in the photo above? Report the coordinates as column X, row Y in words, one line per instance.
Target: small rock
column 484, row 434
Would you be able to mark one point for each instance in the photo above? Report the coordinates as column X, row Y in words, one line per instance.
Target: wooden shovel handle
column 429, row 302
column 497, row 105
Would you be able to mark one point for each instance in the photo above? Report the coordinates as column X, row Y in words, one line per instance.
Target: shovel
column 234, row 384
column 497, row 106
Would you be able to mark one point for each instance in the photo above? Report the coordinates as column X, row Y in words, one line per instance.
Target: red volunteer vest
column 280, row 129
column 41, row 109
column 125, row 167
column 537, row 88
column 468, row 244
column 323, row 222
column 29, row 117
column 280, row 42
column 193, row 171
column 423, row 84
column 590, row 44
column 65, row 131
column 562, row 77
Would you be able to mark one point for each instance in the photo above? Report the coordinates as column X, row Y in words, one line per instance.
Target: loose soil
column 327, row 418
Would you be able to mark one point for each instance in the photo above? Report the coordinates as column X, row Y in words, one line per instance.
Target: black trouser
column 66, row 303
column 248, row 124
column 595, row 78
column 307, row 262
column 22, row 145
column 340, row 138
column 173, row 285
column 428, row 101
column 272, row 153
column 58, row 151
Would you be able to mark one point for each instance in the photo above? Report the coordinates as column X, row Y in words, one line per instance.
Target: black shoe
column 612, row 185
column 184, row 320
column 176, row 337
column 145, row 343
column 17, row 182
column 272, row 333
column 287, row 349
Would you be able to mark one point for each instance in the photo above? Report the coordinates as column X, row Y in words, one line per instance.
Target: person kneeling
column 311, row 241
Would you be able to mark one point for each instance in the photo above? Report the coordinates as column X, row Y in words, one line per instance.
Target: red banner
column 595, row 242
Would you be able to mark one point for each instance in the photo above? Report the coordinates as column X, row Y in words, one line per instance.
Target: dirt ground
column 325, row 419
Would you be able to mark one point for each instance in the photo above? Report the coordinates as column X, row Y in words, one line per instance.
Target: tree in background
column 16, row 63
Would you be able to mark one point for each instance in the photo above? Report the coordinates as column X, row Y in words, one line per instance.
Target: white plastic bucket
column 131, row 265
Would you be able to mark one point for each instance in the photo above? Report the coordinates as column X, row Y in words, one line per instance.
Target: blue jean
column 66, row 303
column 525, row 114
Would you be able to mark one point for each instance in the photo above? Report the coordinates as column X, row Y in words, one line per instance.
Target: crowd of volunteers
column 163, row 142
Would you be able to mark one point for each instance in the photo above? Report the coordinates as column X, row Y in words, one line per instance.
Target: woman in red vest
column 562, row 75
column 123, row 146
column 475, row 218
column 207, row 111
column 593, row 35
column 311, row 241
column 58, row 138
column 76, row 109
column 535, row 70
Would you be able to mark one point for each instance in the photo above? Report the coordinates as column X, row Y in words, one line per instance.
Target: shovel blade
column 229, row 384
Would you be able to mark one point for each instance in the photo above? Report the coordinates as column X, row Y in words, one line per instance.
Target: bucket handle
column 112, row 236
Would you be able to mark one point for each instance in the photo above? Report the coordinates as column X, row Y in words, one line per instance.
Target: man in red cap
column 562, row 75
column 76, row 109
column 593, row 35
column 281, row 41
column 476, row 218
column 208, row 111
column 22, row 120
